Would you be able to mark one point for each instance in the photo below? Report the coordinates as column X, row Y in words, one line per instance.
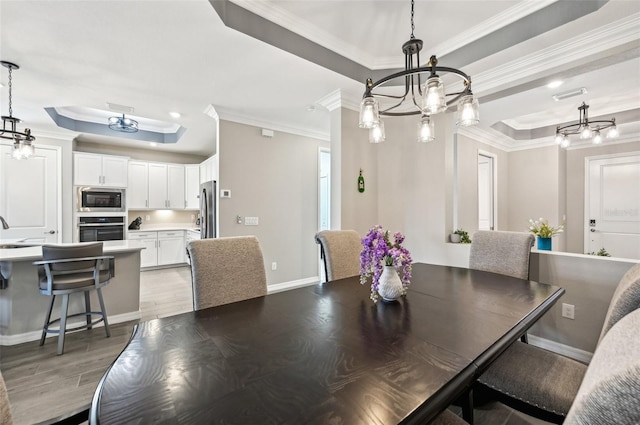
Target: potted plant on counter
column 544, row 232
column 460, row 236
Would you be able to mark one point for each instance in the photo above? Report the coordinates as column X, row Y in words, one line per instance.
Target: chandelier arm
column 572, row 129
column 390, row 108
column 421, row 70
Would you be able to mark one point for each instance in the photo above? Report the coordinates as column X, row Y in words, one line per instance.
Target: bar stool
column 68, row 269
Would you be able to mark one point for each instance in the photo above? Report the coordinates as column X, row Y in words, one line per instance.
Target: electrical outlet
column 193, row 217
column 238, row 219
column 274, row 266
column 148, row 217
column 568, row 311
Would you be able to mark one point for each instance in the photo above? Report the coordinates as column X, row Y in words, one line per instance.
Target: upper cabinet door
column 192, row 186
column 175, row 186
column 138, row 189
column 87, row 169
column 158, row 186
column 114, row 171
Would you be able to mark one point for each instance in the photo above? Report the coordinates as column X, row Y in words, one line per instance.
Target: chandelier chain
column 10, row 95
column 413, row 27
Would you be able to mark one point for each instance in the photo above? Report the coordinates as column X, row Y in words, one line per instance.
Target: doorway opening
column 487, row 199
column 324, row 198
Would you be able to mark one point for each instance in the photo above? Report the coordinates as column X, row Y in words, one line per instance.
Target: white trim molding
column 562, row 349
column 293, row 284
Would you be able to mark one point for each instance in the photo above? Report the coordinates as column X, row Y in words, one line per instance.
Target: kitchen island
column 22, row 307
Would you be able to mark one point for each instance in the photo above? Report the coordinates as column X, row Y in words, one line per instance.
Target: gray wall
column 276, row 180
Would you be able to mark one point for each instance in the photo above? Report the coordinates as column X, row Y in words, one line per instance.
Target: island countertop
column 34, row 252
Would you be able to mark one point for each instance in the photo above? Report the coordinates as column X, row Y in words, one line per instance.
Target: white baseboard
column 562, row 349
column 35, row 335
column 285, row 286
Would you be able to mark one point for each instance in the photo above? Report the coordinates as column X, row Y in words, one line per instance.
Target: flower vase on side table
column 389, row 286
column 544, row 244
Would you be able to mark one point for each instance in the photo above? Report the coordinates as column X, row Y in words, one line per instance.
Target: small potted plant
column 544, row 232
column 460, row 236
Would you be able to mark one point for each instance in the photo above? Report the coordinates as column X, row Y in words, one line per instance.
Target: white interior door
column 485, row 192
column 612, row 206
column 29, row 195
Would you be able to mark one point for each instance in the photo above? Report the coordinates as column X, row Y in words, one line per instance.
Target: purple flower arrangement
column 378, row 250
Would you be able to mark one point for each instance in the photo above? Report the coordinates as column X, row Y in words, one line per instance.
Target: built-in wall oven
column 100, row 199
column 100, row 228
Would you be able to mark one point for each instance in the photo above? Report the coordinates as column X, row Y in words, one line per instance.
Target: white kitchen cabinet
column 138, row 189
column 175, row 186
column 148, row 241
column 171, row 247
column 166, row 186
column 192, row 186
column 99, row 170
column 209, row 169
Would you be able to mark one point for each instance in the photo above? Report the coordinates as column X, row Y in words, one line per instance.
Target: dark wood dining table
column 322, row 354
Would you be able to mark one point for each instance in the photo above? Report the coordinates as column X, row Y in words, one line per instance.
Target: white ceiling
column 163, row 56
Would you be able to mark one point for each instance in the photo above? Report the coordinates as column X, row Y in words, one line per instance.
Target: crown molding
column 488, row 137
column 340, row 99
column 582, row 46
column 229, row 115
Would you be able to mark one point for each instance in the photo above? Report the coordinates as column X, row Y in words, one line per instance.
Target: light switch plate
column 251, row 221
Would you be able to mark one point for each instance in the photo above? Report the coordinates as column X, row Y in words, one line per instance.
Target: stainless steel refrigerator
column 208, row 196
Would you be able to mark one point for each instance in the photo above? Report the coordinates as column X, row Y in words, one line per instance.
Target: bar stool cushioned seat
column 68, row 269
column 340, row 250
column 226, row 270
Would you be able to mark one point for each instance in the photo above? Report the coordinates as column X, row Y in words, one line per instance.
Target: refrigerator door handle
column 204, row 214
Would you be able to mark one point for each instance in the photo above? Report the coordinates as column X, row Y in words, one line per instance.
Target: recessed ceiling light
column 554, row 84
column 311, row 108
column 577, row 92
column 153, row 144
column 175, row 114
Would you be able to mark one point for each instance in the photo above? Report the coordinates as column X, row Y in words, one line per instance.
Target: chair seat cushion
column 64, row 282
column 448, row 418
column 536, row 377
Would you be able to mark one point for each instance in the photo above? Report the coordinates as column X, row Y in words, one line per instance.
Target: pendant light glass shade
column 613, row 132
column 585, row 133
column 565, row 142
column 468, row 111
column 559, row 138
column 369, row 115
column 376, row 134
column 426, row 130
column 22, row 149
column 433, row 100
column 597, row 138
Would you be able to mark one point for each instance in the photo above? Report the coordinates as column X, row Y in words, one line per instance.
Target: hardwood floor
column 43, row 385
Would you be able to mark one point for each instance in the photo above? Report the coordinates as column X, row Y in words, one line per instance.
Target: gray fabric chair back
column 341, row 253
column 226, row 270
column 5, row 409
column 500, row 252
column 625, row 299
column 610, row 390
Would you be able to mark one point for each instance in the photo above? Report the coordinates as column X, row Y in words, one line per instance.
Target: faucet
column 5, row 225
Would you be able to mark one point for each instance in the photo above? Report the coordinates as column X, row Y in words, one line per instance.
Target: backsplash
column 163, row 216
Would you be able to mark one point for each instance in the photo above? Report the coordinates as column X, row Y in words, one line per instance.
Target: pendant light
column 22, row 141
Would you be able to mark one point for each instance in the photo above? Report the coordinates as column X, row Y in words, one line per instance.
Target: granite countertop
column 33, row 251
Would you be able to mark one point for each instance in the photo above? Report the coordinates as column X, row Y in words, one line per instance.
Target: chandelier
column 422, row 93
column 122, row 124
column 22, row 146
column 586, row 129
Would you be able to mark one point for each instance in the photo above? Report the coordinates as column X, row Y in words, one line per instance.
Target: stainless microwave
column 98, row 199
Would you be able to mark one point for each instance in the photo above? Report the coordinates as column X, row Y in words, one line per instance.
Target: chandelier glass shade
column 586, row 129
column 416, row 90
column 123, row 124
column 22, row 140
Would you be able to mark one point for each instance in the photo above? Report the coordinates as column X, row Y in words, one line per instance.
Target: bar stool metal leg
column 87, row 307
column 63, row 323
column 47, row 319
column 104, row 312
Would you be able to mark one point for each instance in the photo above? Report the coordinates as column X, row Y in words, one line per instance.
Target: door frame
column 322, row 150
column 587, row 191
column 494, row 173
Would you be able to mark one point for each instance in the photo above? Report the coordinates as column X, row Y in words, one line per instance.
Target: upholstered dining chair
column 544, row 384
column 501, row 252
column 340, row 250
column 69, row 269
column 226, row 270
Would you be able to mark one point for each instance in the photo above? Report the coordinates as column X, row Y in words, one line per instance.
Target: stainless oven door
column 95, row 232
